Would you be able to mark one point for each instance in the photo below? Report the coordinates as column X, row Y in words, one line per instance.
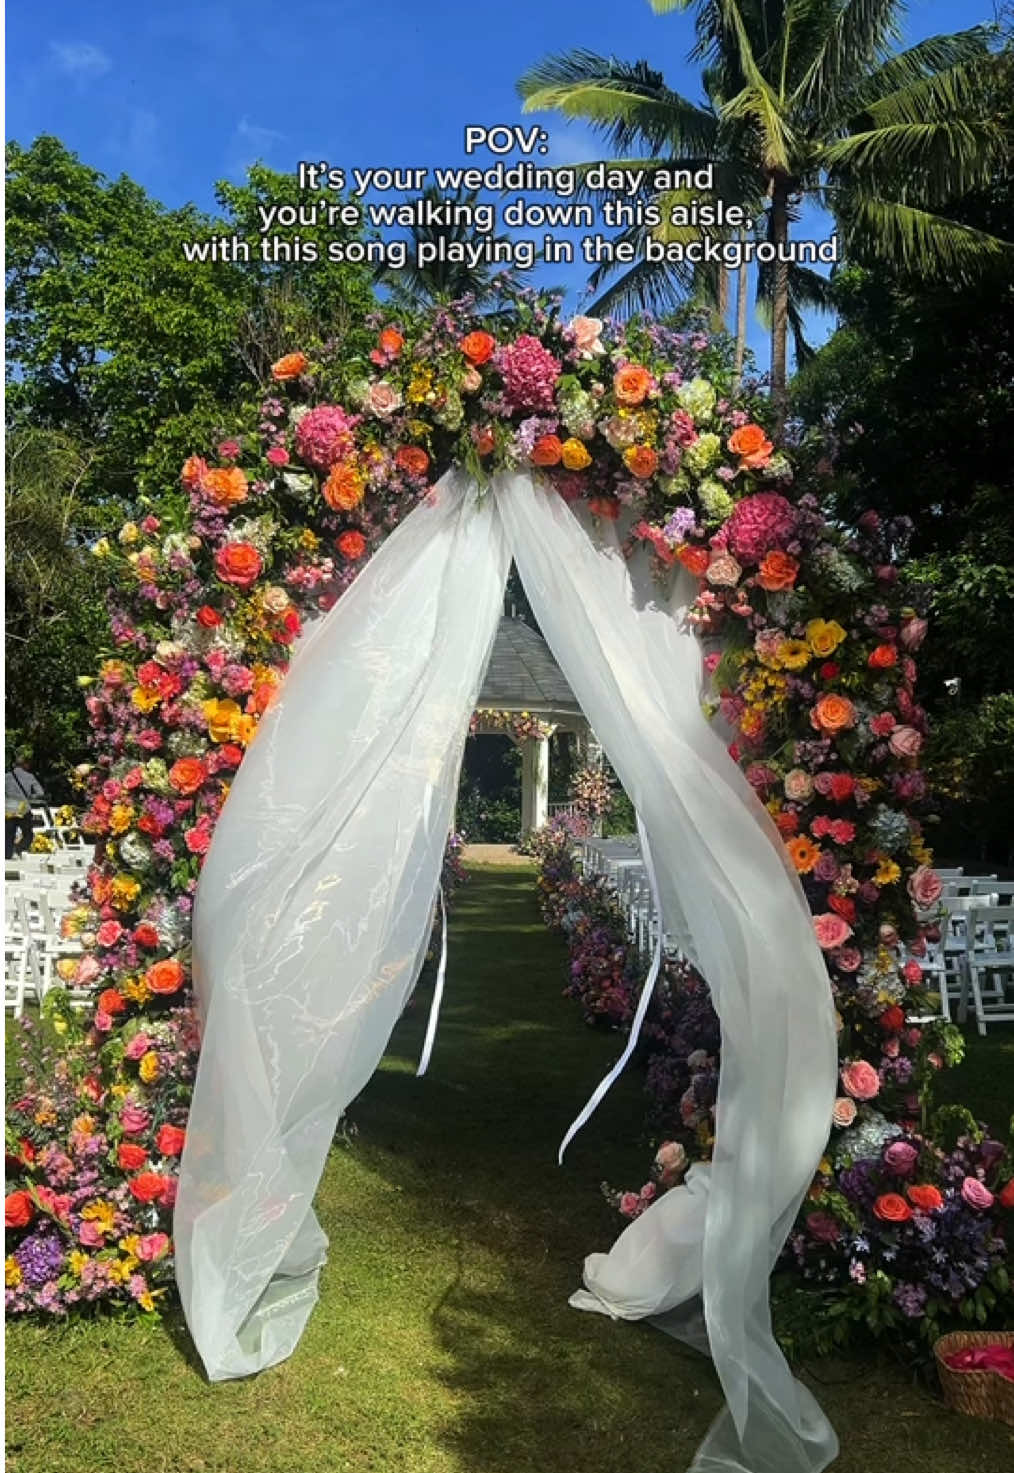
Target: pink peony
column 631, row 1204
column 905, row 741
column 849, row 959
column 976, row 1194
column 277, row 455
column 925, row 887
column 87, row 971
column 138, row 1046
column 860, row 1080
column 324, row 436
column 153, row 1246
column 760, row 523
column 831, row 930
column 109, row 933
column 134, row 1118
column 844, row 1112
column 529, row 372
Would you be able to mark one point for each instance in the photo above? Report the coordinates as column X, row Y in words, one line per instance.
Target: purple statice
column 40, row 1257
column 530, row 430
column 680, row 525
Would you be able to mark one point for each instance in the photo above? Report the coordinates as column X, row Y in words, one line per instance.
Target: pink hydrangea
column 760, row 523
column 529, row 372
column 324, row 436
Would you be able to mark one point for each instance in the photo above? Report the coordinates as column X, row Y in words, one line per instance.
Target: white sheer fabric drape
column 313, row 913
column 722, row 874
column 314, row 908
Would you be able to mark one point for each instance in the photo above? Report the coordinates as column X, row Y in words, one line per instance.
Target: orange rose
column 751, row 444
column 478, row 347
column 631, row 384
column 238, row 563
column 148, row 1187
column 130, row 1157
column 352, row 545
column 391, row 342
column 547, row 450
column 832, row 714
column 892, row 1208
column 193, row 472
column 777, row 572
column 412, row 459
column 695, row 560
column 187, row 775
column 641, row 461
column 165, row 977
column 170, row 1139
column 344, row 488
column 19, row 1209
column 786, row 822
column 926, row 1198
column 111, row 1001
column 883, row 657
column 226, row 487
column 260, row 698
column 485, row 441
column 604, row 506
column 290, row 367
column 804, row 853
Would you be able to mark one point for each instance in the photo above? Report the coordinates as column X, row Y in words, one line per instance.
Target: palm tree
column 804, row 102
column 416, row 286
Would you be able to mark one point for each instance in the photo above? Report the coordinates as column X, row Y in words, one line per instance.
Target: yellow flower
column 223, row 718
column 146, row 1301
column 83, row 1124
column 824, row 637
column 887, row 872
column 794, row 654
column 129, row 532
column 148, row 1067
column 118, row 1273
column 825, row 1166
column 145, row 697
column 124, row 890
column 575, row 456
column 12, row 1273
column 135, row 989
column 76, row 1261
column 103, row 1214
column 420, row 385
column 102, row 548
column 120, row 817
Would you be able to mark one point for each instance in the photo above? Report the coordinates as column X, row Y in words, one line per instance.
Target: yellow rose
column 574, row 455
column 148, row 1067
column 223, row 718
column 824, row 636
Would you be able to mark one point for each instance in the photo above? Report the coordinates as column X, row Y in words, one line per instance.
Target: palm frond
column 856, row 34
column 643, row 287
column 917, row 238
column 956, row 60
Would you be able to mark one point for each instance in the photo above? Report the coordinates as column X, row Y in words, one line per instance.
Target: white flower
column 587, row 336
column 698, row 398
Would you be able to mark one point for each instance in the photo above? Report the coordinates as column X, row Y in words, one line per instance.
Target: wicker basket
column 976, row 1393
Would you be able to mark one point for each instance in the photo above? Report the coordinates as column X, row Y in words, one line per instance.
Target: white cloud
column 79, row 59
column 252, row 144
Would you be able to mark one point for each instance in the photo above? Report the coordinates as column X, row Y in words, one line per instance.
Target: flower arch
column 213, row 586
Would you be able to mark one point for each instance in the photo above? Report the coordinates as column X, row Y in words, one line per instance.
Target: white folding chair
column 991, row 964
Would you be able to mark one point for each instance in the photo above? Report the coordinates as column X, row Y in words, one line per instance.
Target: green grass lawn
column 443, row 1340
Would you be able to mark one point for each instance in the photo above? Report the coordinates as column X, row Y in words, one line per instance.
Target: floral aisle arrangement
column 211, row 586
column 520, row 726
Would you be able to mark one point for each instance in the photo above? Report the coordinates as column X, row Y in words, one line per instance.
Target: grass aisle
column 443, row 1340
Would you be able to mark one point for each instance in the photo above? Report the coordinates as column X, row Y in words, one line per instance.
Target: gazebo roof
column 522, row 674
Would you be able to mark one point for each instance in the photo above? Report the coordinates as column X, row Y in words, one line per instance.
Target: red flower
column 187, row 774
column 148, row 1187
column 170, row 1140
column 883, row 657
column 233, row 755
column 927, row 1198
column 829, row 670
column 1006, row 1197
column 892, row 1208
column 145, row 934
column 130, row 1157
column 844, row 906
column 208, row 616
column 892, row 1019
column 111, row 1002
column 352, row 545
column 19, row 1209
column 165, row 977
column 842, row 786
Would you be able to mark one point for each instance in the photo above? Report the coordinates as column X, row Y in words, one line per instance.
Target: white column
column 534, row 783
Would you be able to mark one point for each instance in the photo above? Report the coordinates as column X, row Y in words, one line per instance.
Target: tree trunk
column 741, row 293
column 723, row 296
column 780, row 303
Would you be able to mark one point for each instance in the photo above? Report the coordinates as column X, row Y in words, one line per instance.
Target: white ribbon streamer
column 438, row 993
column 647, row 991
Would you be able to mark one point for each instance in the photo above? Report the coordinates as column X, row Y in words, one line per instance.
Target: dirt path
column 492, row 854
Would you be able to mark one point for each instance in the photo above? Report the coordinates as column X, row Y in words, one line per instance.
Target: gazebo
column 524, row 681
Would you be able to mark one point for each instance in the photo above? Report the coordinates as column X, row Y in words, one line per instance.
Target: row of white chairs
column 33, row 912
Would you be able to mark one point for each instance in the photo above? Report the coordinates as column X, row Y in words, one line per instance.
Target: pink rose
column 134, row 1118
column 912, row 973
column 798, row 785
column 383, row 399
column 892, row 1048
column 109, row 933
column 87, row 970
column 901, row 1157
column 670, row 1162
column 976, row 1194
column 152, row 1247
column 102, row 1022
column 913, row 632
column 844, row 1112
column 649, row 1192
column 277, row 455
column 849, row 959
column 724, row 571
column 860, row 1080
column 471, row 381
column 587, row 339
column 89, row 1235
column 831, row 930
column 630, row 1204
column 138, row 1046
column 905, row 741
column 925, row 887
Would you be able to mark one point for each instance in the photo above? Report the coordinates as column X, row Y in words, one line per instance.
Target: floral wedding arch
column 641, row 508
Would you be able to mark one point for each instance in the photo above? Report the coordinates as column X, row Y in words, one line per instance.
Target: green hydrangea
column 156, row 776
column 452, row 412
column 702, row 454
column 698, row 398
column 715, row 499
column 577, row 409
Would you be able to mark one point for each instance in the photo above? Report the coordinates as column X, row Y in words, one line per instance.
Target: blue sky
column 183, row 95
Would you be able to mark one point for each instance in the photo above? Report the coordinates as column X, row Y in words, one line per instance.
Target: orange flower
column 751, row 444
column 547, row 450
column 631, row 384
column 752, row 725
column 641, row 461
column 484, row 441
column 352, row 545
column 605, row 506
column 148, row 1186
column 170, row 1140
column 165, row 977
column 832, row 714
column 883, row 657
column 478, row 347
column 344, row 487
column 111, row 1001
column 391, row 342
column 187, row 774
column 804, row 853
column 777, row 572
column 412, row 459
column 892, row 1208
column 19, row 1209
column 786, row 822
column 226, row 487
column 238, row 563
column 289, row 367
column 927, row 1198
column 193, row 472
column 695, row 559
